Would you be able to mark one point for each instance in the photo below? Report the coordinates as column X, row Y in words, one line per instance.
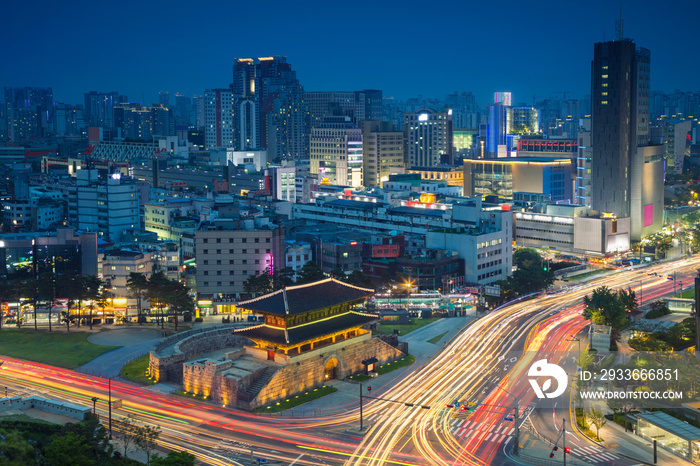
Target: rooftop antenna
column 618, row 26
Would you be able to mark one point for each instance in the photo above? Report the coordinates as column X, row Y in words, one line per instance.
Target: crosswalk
column 594, row 455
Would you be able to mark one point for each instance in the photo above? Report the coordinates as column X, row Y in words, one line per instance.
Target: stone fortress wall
column 244, row 378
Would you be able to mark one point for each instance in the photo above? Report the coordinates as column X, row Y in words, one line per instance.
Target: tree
column 146, row 438
column 94, row 294
column 157, row 293
column 16, row 450
column 71, row 288
column 310, row 272
column 69, row 450
column 597, row 419
column 527, row 258
column 180, row 458
column 358, row 278
column 127, row 433
column 137, row 284
column 628, row 298
column 35, row 290
column 339, row 274
column 282, row 278
column 603, row 307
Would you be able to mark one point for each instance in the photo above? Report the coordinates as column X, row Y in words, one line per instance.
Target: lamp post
column 94, row 405
column 575, row 338
column 516, row 443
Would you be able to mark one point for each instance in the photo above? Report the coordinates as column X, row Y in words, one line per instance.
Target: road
column 485, row 364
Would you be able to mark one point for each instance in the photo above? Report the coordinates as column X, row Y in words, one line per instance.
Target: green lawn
column 437, row 338
column 137, row 371
column 687, row 294
column 392, row 366
column 67, row 350
column 297, row 400
column 415, row 324
column 586, row 275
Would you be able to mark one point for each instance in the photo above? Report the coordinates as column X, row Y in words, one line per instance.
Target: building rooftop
column 305, row 298
column 302, row 333
column 671, row 424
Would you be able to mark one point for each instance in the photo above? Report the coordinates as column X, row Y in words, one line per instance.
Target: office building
column 164, row 98
column 218, row 120
column 676, row 139
column 106, row 206
column 229, row 251
column 336, row 151
column 29, row 112
column 502, row 178
column 428, row 137
column 99, row 108
column 626, row 172
column 269, row 108
column 358, row 105
column 382, row 148
column 29, row 255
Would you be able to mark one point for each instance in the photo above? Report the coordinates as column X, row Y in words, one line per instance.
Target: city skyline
column 403, row 51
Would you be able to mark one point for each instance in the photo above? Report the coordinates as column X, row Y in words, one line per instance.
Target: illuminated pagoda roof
column 301, row 299
column 305, row 332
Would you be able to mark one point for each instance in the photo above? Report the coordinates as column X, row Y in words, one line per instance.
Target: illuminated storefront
column 671, row 434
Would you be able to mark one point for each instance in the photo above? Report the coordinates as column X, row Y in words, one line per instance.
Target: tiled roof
column 302, row 333
column 304, row 298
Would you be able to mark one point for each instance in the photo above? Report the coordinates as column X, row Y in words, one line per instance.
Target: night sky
column 406, row 48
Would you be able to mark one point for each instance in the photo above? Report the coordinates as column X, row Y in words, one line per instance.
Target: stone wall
column 306, row 372
column 50, row 406
column 167, row 358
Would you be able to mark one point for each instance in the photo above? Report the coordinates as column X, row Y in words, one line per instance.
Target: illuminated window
column 604, row 94
column 604, row 102
column 605, row 76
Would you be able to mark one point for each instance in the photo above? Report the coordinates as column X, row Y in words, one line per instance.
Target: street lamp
column 408, row 285
column 516, row 444
column 94, row 405
column 575, row 338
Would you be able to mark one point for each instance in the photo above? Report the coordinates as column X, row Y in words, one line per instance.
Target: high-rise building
column 99, row 108
column 336, row 151
column 358, row 105
column 103, row 206
column 218, row 129
column 382, row 148
column 68, row 119
column 626, row 172
column 676, row 140
column 183, row 107
column 428, row 137
column 269, row 108
column 164, row 98
column 29, row 112
column 198, row 112
column 497, row 131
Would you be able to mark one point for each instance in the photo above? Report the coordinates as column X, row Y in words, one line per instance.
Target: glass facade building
column 671, row 434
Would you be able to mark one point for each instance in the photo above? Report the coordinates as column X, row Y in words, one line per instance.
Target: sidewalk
column 348, row 393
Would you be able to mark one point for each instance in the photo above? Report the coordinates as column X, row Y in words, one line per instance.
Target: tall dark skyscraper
column 99, row 108
column 269, row 109
column 626, row 173
column 29, row 112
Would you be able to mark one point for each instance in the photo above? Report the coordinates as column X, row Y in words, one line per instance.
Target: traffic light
column 556, row 448
column 448, row 406
column 551, row 455
column 463, row 408
column 369, row 388
column 567, row 450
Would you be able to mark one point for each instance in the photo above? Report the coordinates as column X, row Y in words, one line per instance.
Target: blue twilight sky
column 405, row 48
